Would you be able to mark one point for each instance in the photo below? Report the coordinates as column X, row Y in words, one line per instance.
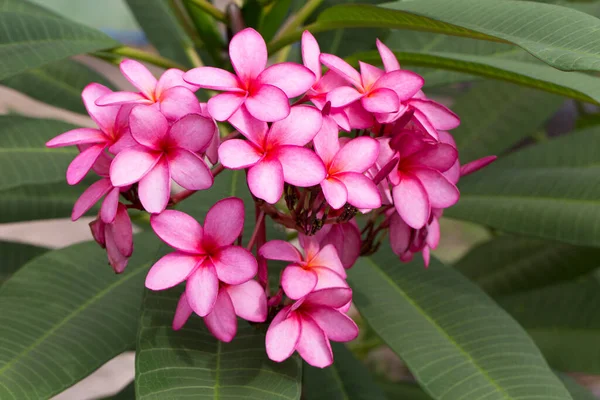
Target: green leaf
column 509, row 264
column 495, row 116
column 456, row 341
column 564, row 322
column 537, row 28
column 31, row 37
column 59, row 83
column 14, row 255
column 272, row 18
column 66, row 313
column 208, row 31
column 192, row 363
column 346, row 379
column 25, row 159
column 128, row 393
column 403, row 391
column 549, row 190
column 162, row 29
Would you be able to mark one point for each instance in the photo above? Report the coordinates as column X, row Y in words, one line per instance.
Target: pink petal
column 123, row 231
column 476, row 165
column 358, row 117
column 390, row 62
column 212, row 151
column 124, row 142
column 89, row 197
column 369, row 74
column 342, row 68
column 301, row 166
column 440, row 157
column 249, row 301
column 313, row 345
column 82, row 164
column 327, row 142
column 171, row 78
column 311, row 53
column 131, row 165
column 77, row 137
column 224, row 222
column 108, row 211
column 411, row 201
column 441, row 192
column 177, row 102
column 238, row 154
column 400, row 234
column 298, row 128
column 332, row 297
column 104, row 117
column 171, row 270
column 148, row 126
column 248, row 54
column 222, row 106
column 335, row 192
column 362, row 192
column 433, row 233
column 337, row 326
column 294, row 79
column 439, row 116
column 212, row 78
column 139, row 76
column 297, row 282
column 280, row 250
column 422, row 120
column 189, row 170
column 405, row 83
column 358, row 155
column 381, row 100
column 328, row 257
column 234, row 265
column 282, row 338
column 116, row 259
column 329, row 81
column 343, row 96
column 309, row 244
column 265, row 180
column 119, row 98
column 221, row 321
column 327, row 278
column 345, row 238
column 178, row 230
column 202, row 289
column 154, row 188
column 268, row 103
column 252, row 128
column 193, row 132
column 182, row 313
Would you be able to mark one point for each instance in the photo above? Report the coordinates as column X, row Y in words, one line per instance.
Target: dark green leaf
column 208, row 31
column 192, row 363
column 14, row 255
column 273, row 17
column 456, row 341
column 128, row 393
column 403, row 391
column 66, row 313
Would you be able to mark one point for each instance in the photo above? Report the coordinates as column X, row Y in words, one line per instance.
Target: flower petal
column 89, row 197
column 311, row 53
column 182, row 313
column 440, row 157
column 154, row 188
column 329, row 258
column 358, row 117
column 139, row 76
column 358, row 155
column 252, row 128
column 268, row 103
column 381, row 100
column 148, row 126
column 327, row 142
column 77, row 137
column 439, row 116
column 297, row 282
column 212, row 78
column 265, row 180
column 411, row 201
column 369, row 74
column 313, row 345
column 327, row 278
column 332, row 297
column 335, row 192
column 104, row 117
column 405, row 83
column 189, row 170
column 108, row 211
column 238, row 154
column 337, row 326
column 193, row 132
column 178, row 230
column 131, row 165
column 400, row 234
column 280, row 250
column 301, row 166
column 212, row 151
column 116, row 259
column 171, row 270
column 177, row 102
column 476, row 165
column 119, row 98
column 343, row 96
column 294, row 79
column 221, row 321
column 282, row 338
column 249, row 301
column 440, row 191
column 222, row 106
column 234, row 265
column 224, row 221
column 82, row 164
column 390, row 62
column 362, row 191
column 171, row 78
column 298, row 128
column 202, row 289
column 342, row 68
column 248, row 54
column 123, row 231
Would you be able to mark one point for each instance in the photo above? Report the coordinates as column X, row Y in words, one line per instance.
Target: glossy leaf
column 273, row 17
column 59, row 84
column 346, row 379
column 403, row 390
column 456, row 341
column 66, row 313
column 14, row 255
column 208, row 31
column 31, row 37
column 192, row 363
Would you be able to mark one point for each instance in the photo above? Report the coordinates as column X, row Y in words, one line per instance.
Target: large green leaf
column 128, row 393
column 59, row 83
column 564, row 322
column 456, row 341
column 192, row 363
column 24, row 158
column 549, row 190
column 208, row 31
column 14, row 255
column 509, row 264
column 66, row 313
column 537, row 28
column 31, row 37
column 403, row 391
column 495, row 116
column 162, row 29
column 346, row 379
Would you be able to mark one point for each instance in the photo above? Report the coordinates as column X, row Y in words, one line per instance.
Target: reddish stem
column 260, row 220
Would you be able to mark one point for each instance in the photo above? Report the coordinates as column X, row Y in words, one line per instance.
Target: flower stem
column 211, row 10
column 260, row 220
column 141, row 55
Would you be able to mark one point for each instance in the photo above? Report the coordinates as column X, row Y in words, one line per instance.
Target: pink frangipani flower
column 309, row 324
column 406, row 241
column 246, row 300
column 204, row 256
column 345, row 238
column 277, row 155
column 318, row 268
column 263, row 92
column 116, row 237
column 164, row 152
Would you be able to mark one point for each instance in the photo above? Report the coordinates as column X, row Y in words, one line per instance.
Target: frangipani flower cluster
column 318, row 150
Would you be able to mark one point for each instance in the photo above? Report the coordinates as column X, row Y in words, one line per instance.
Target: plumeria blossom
column 205, row 255
column 345, row 237
column 246, row 300
column 263, row 92
column 116, row 237
column 112, row 128
column 406, row 241
column 277, row 155
column 309, row 324
column 165, row 151
column 318, row 268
